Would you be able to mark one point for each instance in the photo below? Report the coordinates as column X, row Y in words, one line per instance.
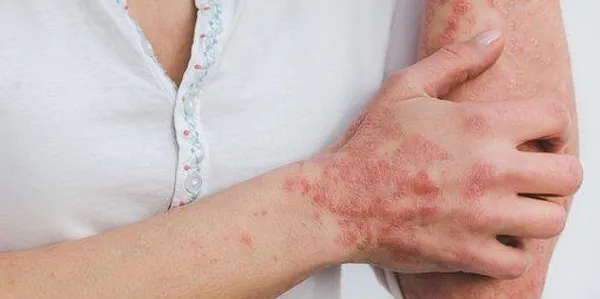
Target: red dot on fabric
column 206, row 8
column 186, row 133
column 126, row 7
column 197, row 66
column 181, row 203
column 203, row 35
column 186, row 167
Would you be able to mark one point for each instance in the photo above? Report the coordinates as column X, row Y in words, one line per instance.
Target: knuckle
column 502, row 170
column 473, row 219
column 484, row 222
column 493, row 169
column 492, row 216
column 481, row 216
column 481, row 176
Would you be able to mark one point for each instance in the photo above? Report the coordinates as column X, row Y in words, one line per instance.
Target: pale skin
column 535, row 64
column 309, row 215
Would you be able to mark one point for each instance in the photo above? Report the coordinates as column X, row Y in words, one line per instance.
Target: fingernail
column 489, row 37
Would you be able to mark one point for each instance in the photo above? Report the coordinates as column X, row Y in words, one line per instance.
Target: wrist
column 309, row 184
column 314, row 223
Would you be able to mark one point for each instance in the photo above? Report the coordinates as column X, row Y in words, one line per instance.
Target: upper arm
column 535, row 62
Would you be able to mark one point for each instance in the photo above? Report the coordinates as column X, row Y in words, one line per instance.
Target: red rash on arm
column 535, row 65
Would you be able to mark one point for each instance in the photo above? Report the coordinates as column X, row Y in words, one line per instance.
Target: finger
column 524, row 217
column 544, row 174
column 449, row 67
column 529, row 119
column 497, row 260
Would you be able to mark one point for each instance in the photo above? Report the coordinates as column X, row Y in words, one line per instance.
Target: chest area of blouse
column 263, row 82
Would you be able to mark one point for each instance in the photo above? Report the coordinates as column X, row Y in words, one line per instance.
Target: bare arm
column 252, row 241
column 535, row 65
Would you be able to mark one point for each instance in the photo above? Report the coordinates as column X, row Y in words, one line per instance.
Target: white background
column 573, row 271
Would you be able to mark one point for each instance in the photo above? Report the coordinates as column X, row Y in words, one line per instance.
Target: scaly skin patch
column 529, row 48
column 476, row 179
column 375, row 189
column 383, row 183
column 381, row 179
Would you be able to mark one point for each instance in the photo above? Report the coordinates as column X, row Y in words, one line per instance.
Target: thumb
column 455, row 64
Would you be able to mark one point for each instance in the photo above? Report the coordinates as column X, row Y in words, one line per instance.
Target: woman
column 103, row 134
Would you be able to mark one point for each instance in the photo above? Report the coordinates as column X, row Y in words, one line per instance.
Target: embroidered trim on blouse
column 198, row 72
column 203, row 58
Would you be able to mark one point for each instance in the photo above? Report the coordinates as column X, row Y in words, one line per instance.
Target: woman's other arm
column 535, row 64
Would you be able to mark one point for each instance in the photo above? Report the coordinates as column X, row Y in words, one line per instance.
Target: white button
column 193, row 183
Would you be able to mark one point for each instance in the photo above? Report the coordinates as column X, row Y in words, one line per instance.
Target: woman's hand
column 420, row 185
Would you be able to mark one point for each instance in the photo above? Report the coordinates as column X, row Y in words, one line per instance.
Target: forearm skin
column 535, row 64
column 254, row 240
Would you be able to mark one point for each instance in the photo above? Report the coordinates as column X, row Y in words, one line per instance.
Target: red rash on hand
column 383, row 182
column 423, row 186
column 476, row 178
column 386, row 180
column 476, row 125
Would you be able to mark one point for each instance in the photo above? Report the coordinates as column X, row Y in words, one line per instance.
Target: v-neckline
column 209, row 11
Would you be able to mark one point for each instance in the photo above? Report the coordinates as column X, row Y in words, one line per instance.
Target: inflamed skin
column 535, row 64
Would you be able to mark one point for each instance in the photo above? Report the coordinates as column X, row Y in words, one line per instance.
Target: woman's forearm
column 252, row 241
column 535, row 65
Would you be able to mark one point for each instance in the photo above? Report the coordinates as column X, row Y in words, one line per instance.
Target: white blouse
column 95, row 136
